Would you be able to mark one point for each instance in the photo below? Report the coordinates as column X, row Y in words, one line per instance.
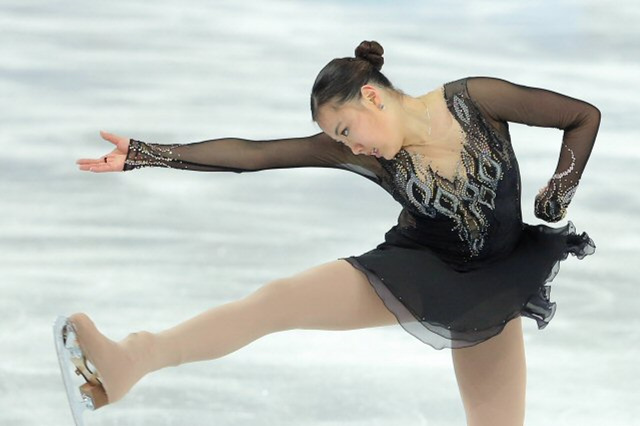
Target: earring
column 381, row 106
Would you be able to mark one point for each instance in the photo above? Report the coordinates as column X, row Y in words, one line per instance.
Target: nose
column 357, row 149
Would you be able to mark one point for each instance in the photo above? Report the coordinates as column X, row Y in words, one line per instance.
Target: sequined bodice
column 457, row 217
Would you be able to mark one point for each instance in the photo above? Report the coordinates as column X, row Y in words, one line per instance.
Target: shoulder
column 486, row 92
column 480, row 92
column 477, row 88
column 483, row 82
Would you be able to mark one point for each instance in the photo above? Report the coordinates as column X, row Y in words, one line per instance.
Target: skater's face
column 362, row 125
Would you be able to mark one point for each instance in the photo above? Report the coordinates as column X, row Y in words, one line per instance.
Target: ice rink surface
column 150, row 248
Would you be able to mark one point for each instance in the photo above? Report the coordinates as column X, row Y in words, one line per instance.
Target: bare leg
column 492, row 378
column 331, row 296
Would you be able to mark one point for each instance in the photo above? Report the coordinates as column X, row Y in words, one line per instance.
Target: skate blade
column 85, row 393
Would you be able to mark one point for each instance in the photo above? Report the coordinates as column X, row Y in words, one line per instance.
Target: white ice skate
column 85, row 392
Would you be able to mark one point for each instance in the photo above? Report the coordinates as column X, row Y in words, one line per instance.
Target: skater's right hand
column 114, row 160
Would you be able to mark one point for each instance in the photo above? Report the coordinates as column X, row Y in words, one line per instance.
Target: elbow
column 593, row 114
column 589, row 116
column 593, row 119
column 596, row 116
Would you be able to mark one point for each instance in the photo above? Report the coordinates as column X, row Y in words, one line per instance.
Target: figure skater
column 459, row 269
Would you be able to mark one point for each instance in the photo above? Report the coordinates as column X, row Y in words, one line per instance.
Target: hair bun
column 371, row 51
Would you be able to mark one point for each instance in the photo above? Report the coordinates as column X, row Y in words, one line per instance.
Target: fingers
column 110, row 137
column 86, row 163
column 90, row 161
column 99, row 165
column 99, row 168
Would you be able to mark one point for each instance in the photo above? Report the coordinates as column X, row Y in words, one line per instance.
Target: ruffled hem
column 458, row 331
column 540, row 307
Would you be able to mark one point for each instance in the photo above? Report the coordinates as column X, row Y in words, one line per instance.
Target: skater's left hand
column 548, row 206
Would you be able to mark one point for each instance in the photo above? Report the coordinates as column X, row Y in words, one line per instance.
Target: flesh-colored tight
column 330, row 296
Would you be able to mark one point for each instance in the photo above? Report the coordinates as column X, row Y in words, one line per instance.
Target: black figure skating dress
column 460, row 262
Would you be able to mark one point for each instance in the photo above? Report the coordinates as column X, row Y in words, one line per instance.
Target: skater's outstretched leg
column 331, row 296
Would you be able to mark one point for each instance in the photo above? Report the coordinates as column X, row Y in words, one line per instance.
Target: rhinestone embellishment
column 468, row 198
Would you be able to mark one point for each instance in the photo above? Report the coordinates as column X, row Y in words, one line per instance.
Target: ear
column 371, row 96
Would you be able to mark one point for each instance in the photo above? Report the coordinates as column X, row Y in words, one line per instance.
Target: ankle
column 152, row 351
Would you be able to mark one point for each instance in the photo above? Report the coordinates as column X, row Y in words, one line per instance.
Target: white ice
column 150, row 248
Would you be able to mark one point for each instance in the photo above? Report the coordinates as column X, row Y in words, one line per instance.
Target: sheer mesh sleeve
column 244, row 155
column 504, row 101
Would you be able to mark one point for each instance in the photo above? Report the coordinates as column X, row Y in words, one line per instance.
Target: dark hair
column 341, row 79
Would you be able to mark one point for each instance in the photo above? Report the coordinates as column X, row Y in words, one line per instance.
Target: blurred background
column 149, row 248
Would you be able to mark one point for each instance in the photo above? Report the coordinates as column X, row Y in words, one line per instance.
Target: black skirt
column 449, row 308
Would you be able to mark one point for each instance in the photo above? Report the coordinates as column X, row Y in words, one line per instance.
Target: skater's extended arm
column 504, row 101
column 235, row 155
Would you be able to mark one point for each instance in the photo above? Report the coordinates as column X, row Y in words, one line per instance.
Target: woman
column 459, row 269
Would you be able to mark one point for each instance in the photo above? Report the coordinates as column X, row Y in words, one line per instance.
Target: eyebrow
column 336, row 130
